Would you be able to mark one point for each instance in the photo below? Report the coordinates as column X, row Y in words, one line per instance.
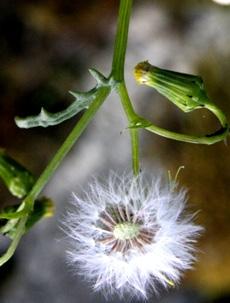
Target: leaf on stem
column 82, row 101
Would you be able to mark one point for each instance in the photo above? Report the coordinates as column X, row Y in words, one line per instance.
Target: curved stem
column 219, row 135
column 208, row 139
column 126, row 102
column 218, row 113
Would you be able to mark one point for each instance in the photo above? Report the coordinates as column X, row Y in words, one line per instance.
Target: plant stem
column 10, row 251
column 131, row 116
column 126, row 102
column 207, row 139
column 220, row 135
column 118, row 75
column 135, row 151
column 121, row 40
column 218, row 113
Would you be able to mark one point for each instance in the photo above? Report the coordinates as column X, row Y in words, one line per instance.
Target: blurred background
column 46, row 48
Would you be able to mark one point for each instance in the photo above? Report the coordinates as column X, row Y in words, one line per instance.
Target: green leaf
column 45, row 118
column 17, row 178
column 83, row 101
column 184, row 90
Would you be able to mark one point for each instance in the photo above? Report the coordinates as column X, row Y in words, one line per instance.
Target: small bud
column 184, row 90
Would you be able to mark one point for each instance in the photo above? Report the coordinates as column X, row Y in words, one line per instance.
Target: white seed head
column 129, row 235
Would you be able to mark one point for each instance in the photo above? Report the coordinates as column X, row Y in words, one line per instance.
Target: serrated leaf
column 83, row 101
column 45, row 118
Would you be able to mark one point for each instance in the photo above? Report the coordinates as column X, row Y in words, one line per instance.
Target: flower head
column 129, row 235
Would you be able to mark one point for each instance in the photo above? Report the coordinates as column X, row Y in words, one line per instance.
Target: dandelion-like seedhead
column 129, row 234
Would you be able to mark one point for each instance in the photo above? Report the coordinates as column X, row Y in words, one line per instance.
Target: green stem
column 208, row 139
column 131, row 116
column 135, row 151
column 11, row 249
column 121, row 40
column 218, row 113
column 117, row 75
column 126, row 102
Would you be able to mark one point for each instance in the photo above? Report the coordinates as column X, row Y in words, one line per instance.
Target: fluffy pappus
column 129, row 234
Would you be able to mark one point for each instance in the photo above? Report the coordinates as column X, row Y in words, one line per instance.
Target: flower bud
column 184, row 90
